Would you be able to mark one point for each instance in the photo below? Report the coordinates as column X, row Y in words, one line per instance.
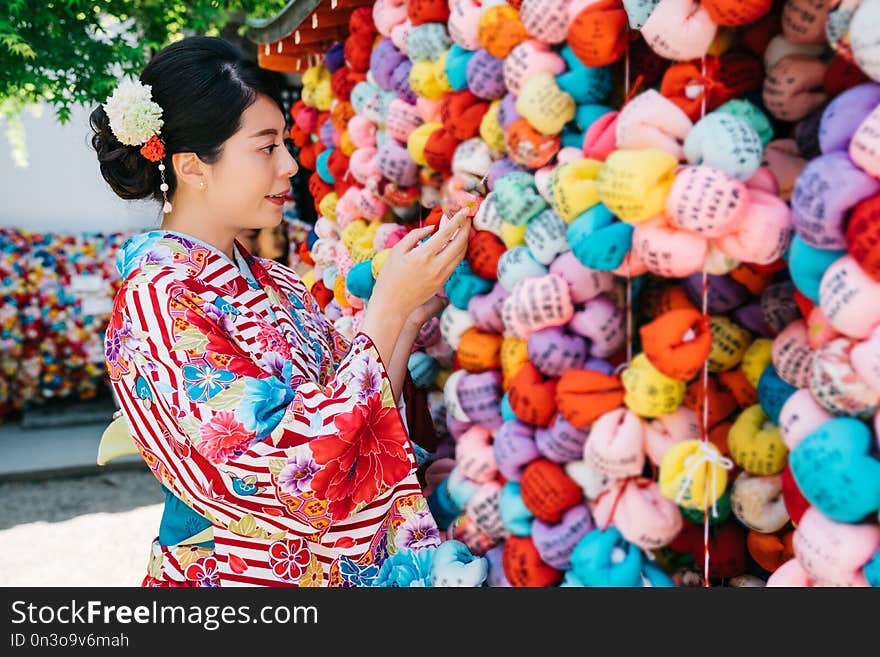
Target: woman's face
column 244, row 188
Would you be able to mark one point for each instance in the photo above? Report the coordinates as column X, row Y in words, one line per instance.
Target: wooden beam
column 294, row 14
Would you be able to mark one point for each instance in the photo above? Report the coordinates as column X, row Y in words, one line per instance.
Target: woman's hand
column 410, row 278
column 414, row 272
column 426, row 311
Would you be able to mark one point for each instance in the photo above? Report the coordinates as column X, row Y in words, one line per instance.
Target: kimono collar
column 167, row 247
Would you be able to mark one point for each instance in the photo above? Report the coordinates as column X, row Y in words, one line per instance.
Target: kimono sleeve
column 258, row 446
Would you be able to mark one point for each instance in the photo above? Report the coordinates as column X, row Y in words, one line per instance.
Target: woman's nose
column 290, row 166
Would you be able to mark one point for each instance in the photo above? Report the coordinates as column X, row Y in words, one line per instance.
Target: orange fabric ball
column 528, row 147
column 501, row 30
column 735, row 380
column 678, row 343
column 598, row 34
column 479, row 351
column 770, row 550
column 722, row 403
column 584, row 395
column 736, row 12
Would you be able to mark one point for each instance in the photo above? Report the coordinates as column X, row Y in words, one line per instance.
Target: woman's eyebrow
column 264, row 132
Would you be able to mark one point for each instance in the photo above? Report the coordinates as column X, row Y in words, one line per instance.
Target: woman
column 265, row 427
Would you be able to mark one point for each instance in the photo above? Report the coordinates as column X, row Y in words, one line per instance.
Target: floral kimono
column 263, row 424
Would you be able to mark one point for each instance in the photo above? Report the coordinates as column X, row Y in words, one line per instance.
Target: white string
column 705, row 454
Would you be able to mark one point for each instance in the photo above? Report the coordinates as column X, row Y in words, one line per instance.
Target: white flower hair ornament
column 136, row 119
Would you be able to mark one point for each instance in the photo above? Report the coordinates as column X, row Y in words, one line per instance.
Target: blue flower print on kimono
column 203, row 381
column 406, row 568
column 145, row 250
column 263, row 404
column 356, row 575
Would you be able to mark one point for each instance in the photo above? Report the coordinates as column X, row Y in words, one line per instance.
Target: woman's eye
column 270, row 148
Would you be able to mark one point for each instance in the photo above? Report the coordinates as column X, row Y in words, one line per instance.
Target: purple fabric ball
column 383, row 60
column 335, row 57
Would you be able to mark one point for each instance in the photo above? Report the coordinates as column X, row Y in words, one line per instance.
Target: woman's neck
column 220, row 239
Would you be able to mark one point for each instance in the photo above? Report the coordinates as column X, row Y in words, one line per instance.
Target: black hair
column 203, row 85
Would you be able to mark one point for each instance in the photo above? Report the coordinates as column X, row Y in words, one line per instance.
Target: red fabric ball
column 357, row 52
column 523, row 565
column 342, row 185
column 461, row 113
column 298, row 136
column 547, row 491
column 361, row 22
column 863, row 236
column 722, row 402
column 757, row 36
column 645, row 62
column 842, row 75
column 337, row 163
column 532, row 396
column 439, row 150
column 302, row 250
column 795, row 502
column 322, row 295
column 399, row 197
column 484, row 251
column 318, row 188
column 308, row 155
column 732, row 76
column 727, row 551
column 428, row 11
column 344, row 80
column 803, row 303
column 433, row 217
column 296, row 107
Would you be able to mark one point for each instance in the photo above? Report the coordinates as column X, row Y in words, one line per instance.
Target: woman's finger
column 408, row 241
column 442, row 237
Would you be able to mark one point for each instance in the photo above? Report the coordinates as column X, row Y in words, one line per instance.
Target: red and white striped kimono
column 252, row 410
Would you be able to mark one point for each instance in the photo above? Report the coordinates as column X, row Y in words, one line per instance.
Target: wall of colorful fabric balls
column 56, row 294
column 660, row 360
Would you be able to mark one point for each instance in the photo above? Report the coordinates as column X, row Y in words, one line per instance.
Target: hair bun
column 127, row 172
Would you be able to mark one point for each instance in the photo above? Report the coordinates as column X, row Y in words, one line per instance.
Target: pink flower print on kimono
column 271, row 340
column 223, row 437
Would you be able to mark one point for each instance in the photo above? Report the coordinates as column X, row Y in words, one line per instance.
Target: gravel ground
column 91, row 530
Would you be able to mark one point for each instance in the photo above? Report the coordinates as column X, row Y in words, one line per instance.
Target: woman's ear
column 189, row 169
